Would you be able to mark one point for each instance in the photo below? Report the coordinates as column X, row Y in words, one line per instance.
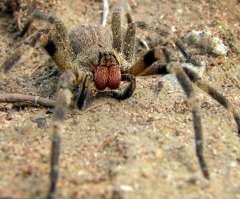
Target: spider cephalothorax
column 90, row 53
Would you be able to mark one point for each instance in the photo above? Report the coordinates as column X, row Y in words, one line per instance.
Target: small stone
column 41, row 122
column 9, row 115
column 126, row 188
column 216, row 135
column 233, row 164
column 158, row 154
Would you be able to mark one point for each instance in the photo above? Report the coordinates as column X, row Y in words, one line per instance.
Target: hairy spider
column 89, row 53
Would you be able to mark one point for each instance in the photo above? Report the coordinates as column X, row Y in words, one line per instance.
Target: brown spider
column 89, row 53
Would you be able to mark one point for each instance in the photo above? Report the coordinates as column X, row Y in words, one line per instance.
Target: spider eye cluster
column 108, row 59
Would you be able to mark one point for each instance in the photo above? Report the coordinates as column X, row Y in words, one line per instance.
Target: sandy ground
column 139, row 148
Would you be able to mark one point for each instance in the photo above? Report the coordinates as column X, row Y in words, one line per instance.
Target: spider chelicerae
column 90, row 53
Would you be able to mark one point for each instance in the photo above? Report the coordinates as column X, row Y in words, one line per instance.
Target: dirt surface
column 142, row 147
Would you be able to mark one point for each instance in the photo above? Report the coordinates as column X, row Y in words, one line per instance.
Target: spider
column 90, row 53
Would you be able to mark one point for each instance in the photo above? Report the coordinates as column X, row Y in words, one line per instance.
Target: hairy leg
column 168, row 37
column 17, row 54
column 129, row 42
column 144, row 64
column 175, row 68
column 56, row 22
column 119, row 12
column 63, row 101
column 56, row 41
column 214, row 94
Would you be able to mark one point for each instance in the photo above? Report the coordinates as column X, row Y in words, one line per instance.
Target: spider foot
column 203, row 163
column 206, row 173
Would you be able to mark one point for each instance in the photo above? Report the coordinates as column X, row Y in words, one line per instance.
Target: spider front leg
column 64, row 97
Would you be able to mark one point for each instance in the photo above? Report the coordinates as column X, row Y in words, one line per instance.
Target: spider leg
column 56, row 48
column 144, row 62
column 129, row 42
column 141, row 65
column 84, row 92
column 64, row 95
column 173, row 67
column 16, row 55
column 56, row 41
column 128, row 91
column 57, row 23
column 119, row 12
column 169, row 36
column 194, row 77
column 214, row 94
